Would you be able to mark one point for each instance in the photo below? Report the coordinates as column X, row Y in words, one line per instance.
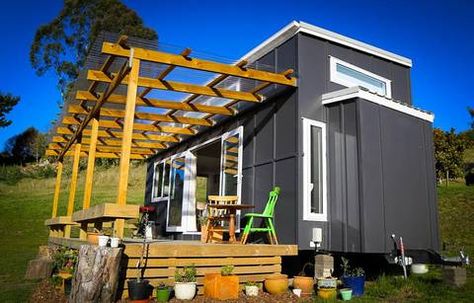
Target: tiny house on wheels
column 328, row 119
column 352, row 155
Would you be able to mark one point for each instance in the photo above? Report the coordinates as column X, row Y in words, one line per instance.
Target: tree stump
column 97, row 274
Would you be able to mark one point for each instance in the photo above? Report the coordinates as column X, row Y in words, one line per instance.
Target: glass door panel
column 230, row 177
column 175, row 204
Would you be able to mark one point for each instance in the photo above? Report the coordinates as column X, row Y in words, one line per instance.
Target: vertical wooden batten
column 90, row 172
column 127, row 140
column 73, row 186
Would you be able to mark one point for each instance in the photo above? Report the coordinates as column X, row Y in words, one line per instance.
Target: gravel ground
column 45, row 292
column 262, row 298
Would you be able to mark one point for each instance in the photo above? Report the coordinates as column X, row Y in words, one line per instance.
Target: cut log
column 39, row 268
column 97, row 274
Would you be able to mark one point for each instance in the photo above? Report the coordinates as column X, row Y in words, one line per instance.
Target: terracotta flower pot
column 276, row 284
column 305, row 284
column 221, row 287
column 93, row 238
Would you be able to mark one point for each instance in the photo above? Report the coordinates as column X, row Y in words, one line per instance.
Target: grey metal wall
column 382, row 179
column 341, row 232
column 269, row 150
column 363, row 193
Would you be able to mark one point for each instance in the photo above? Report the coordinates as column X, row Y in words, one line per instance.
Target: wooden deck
column 251, row 261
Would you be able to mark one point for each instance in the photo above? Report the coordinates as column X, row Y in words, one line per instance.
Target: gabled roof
column 296, row 27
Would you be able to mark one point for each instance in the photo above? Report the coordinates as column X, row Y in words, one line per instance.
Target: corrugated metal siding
column 269, row 150
column 347, row 216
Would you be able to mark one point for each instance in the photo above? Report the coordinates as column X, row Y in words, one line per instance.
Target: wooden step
column 106, row 212
column 62, row 220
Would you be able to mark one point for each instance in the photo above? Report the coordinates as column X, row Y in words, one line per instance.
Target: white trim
column 343, row 80
column 239, row 130
column 153, row 188
column 357, row 92
column 307, row 214
column 295, row 27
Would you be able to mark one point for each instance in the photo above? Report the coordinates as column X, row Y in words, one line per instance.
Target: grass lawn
column 26, row 205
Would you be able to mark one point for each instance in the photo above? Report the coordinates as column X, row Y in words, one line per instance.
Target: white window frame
column 153, row 188
column 185, row 215
column 307, row 214
column 336, row 77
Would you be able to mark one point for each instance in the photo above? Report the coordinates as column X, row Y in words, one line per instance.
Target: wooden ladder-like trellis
column 104, row 130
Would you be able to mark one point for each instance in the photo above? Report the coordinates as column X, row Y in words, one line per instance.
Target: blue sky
column 436, row 35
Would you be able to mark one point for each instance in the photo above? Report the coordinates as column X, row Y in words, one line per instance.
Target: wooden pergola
column 108, row 124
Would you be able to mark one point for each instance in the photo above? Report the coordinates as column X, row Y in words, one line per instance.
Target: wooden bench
column 105, row 212
column 58, row 224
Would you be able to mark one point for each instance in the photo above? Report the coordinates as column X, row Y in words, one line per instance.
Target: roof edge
column 295, row 27
column 362, row 93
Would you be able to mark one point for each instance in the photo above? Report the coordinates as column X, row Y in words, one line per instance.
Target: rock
column 39, row 268
column 454, row 276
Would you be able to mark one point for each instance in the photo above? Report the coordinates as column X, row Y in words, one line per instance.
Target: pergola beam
column 69, row 120
column 95, row 75
column 197, row 64
column 118, row 113
column 124, row 70
column 151, row 102
column 104, row 134
column 55, row 153
column 107, row 149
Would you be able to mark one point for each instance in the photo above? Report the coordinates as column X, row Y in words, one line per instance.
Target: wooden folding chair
column 218, row 217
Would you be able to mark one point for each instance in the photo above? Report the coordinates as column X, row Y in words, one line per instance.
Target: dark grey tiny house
column 351, row 154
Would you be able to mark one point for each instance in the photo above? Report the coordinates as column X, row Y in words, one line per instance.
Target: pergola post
column 90, row 172
column 57, row 189
column 73, row 186
column 127, row 141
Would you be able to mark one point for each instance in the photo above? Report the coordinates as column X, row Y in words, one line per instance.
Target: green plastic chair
column 267, row 217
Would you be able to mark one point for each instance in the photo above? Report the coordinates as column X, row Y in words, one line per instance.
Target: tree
column 471, row 113
column 449, row 150
column 26, row 147
column 7, row 102
column 62, row 44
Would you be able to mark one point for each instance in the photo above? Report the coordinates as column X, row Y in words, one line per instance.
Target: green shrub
column 186, row 274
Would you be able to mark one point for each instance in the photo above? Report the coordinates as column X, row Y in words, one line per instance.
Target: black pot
column 139, row 289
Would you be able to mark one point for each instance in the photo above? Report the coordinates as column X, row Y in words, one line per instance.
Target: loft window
column 349, row 75
column 314, row 171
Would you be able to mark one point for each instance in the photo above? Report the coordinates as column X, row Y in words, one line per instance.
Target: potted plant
column 139, row 288
column 301, row 281
column 346, row 294
column 163, row 292
column 93, row 237
column 353, row 278
column 251, row 288
column 203, row 222
column 223, row 285
column 185, row 286
column 276, row 284
column 327, row 293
